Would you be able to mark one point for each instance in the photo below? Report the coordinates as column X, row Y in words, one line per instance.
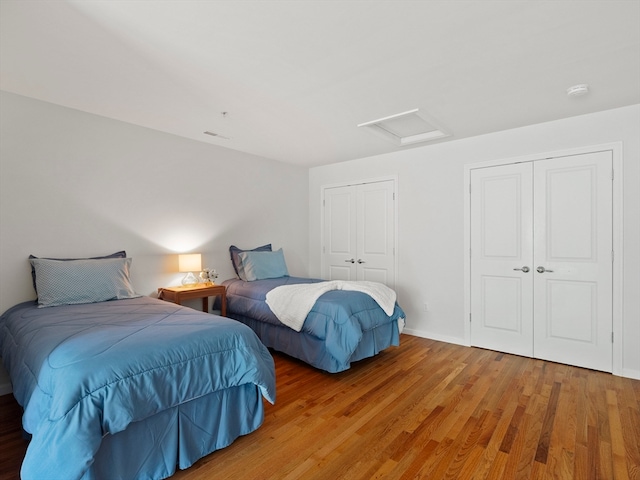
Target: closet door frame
column 324, row 188
column 617, row 234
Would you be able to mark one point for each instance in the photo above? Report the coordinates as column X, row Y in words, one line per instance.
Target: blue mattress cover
column 338, row 317
column 82, row 371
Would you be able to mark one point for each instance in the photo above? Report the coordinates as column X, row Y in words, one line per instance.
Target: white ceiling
column 297, row 77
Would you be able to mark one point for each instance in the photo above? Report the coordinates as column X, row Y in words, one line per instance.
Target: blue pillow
column 235, row 259
column 120, row 254
column 261, row 265
column 82, row 281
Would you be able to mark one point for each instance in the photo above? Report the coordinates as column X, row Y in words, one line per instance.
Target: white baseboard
column 628, row 373
column 432, row 336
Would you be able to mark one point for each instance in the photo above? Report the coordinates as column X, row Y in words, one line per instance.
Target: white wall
column 76, row 184
column 431, row 211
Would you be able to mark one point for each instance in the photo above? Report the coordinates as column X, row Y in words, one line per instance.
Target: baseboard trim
column 432, row 336
column 627, row 373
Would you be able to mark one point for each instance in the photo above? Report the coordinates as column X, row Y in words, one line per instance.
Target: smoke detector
column 578, row 90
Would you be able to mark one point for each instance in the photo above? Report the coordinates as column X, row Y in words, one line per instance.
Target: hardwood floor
column 425, row 410
column 12, row 445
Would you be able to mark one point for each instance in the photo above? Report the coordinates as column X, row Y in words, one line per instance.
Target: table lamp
column 190, row 262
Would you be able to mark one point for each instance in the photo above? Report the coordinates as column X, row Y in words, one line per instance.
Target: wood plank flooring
column 428, row 410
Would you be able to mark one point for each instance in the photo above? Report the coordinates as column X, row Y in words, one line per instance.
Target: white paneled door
column 359, row 232
column 541, row 259
column 502, row 258
column 573, row 288
column 339, row 245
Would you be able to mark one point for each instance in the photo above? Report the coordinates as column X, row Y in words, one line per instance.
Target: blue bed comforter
column 339, row 317
column 83, row 371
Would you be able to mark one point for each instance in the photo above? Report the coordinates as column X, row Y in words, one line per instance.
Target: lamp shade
column 190, row 262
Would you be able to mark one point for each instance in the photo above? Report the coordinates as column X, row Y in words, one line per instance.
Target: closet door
column 359, row 232
column 573, row 308
column 375, row 233
column 541, row 259
column 502, row 258
column 340, row 233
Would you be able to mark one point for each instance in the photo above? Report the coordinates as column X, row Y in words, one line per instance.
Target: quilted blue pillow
column 261, row 265
column 120, row 254
column 82, row 281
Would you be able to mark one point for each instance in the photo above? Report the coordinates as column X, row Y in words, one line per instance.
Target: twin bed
column 100, row 381
column 340, row 325
column 117, row 385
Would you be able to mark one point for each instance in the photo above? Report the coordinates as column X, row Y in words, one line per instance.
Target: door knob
column 351, row 260
column 361, row 261
column 524, row 269
column 541, row 269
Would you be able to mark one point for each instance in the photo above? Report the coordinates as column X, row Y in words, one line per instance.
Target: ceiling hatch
column 406, row 128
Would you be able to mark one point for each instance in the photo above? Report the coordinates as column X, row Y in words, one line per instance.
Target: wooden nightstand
column 179, row 294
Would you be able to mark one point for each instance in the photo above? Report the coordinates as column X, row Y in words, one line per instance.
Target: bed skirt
column 312, row 350
column 178, row 437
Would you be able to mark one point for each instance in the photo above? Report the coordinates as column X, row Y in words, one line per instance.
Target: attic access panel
column 406, row 128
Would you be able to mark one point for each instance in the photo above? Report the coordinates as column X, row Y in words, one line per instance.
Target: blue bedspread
column 82, row 371
column 339, row 318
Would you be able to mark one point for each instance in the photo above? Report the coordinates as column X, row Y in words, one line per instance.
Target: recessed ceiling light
column 578, row 90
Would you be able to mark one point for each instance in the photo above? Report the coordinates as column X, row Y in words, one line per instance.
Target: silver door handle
column 361, row 261
column 524, row 269
column 351, row 260
column 541, row 269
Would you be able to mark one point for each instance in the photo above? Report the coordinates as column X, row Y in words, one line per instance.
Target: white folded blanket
column 292, row 303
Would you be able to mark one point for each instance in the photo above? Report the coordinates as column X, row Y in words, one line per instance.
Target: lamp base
column 190, row 279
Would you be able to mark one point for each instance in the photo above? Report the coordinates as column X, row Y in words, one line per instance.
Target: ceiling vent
column 406, row 128
column 214, row 134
